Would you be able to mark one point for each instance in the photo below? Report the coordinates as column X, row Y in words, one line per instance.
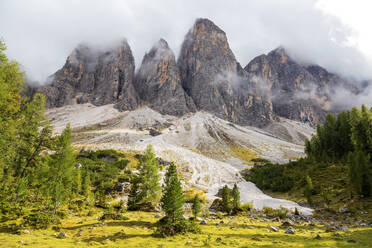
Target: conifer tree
column 61, row 170
column 172, row 200
column 196, row 207
column 77, row 184
column 360, row 172
column 86, row 184
column 226, row 204
column 149, row 189
column 236, row 199
column 308, row 189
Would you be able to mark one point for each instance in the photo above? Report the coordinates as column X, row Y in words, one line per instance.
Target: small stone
column 273, row 228
column 351, row 241
column 188, row 242
column 62, row 235
column 218, row 239
column 222, row 222
column 203, row 222
column 26, row 231
column 80, row 233
column 21, row 242
column 290, row 230
column 157, row 216
column 199, row 219
column 318, row 236
column 343, row 210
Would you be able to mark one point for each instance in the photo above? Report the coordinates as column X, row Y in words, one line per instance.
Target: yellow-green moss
column 243, row 153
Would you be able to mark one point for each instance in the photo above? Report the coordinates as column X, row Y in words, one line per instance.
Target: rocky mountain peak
column 97, row 75
column 213, row 78
column 158, row 82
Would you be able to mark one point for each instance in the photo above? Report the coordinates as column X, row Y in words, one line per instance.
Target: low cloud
column 40, row 34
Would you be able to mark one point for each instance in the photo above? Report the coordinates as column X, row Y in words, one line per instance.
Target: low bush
column 166, row 228
column 246, row 207
column 275, row 213
column 40, row 220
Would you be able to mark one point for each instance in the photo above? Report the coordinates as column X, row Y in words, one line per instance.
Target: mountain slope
column 201, row 144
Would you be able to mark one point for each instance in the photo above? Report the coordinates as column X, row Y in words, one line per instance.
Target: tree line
column 346, row 138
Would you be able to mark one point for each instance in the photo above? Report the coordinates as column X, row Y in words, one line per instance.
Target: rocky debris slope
column 199, row 143
column 158, row 82
column 215, row 80
column 98, row 76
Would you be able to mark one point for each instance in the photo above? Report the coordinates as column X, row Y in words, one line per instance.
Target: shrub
column 247, row 207
column 166, row 227
column 111, row 214
column 40, row 220
column 279, row 213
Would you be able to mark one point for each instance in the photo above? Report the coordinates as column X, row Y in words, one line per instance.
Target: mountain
column 215, row 80
column 205, row 77
column 158, row 82
column 97, row 76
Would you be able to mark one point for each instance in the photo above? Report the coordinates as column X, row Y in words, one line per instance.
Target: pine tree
column 149, row 189
column 86, row 185
column 226, row 204
column 236, row 199
column 133, row 194
column 172, row 200
column 77, row 184
column 360, row 172
column 308, row 190
column 196, row 207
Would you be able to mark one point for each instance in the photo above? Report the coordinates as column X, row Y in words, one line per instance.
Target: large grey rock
column 99, row 76
column 158, row 82
column 296, row 93
column 215, row 80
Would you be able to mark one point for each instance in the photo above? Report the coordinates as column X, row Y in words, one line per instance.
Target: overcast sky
column 336, row 34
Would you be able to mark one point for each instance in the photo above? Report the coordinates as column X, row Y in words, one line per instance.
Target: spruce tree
column 226, row 204
column 86, row 184
column 172, row 200
column 196, row 207
column 236, row 199
column 308, row 190
column 149, row 189
column 77, row 184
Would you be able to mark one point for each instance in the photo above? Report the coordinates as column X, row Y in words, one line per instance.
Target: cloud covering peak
column 41, row 34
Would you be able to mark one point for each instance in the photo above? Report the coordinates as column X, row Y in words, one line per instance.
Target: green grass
column 240, row 231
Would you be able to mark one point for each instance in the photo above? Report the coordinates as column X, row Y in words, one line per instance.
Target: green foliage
column 308, row 192
column 165, row 227
column 346, row 138
column 279, row 213
column 235, row 199
column 360, row 171
column 112, row 214
column 172, row 204
column 172, row 200
column 246, row 207
column 196, row 207
column 146, row 188
column 61, row 173
column 271, row 177
column 226, row 199
column 40, row 219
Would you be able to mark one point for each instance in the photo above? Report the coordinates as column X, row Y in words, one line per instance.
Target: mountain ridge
column 205, row 77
